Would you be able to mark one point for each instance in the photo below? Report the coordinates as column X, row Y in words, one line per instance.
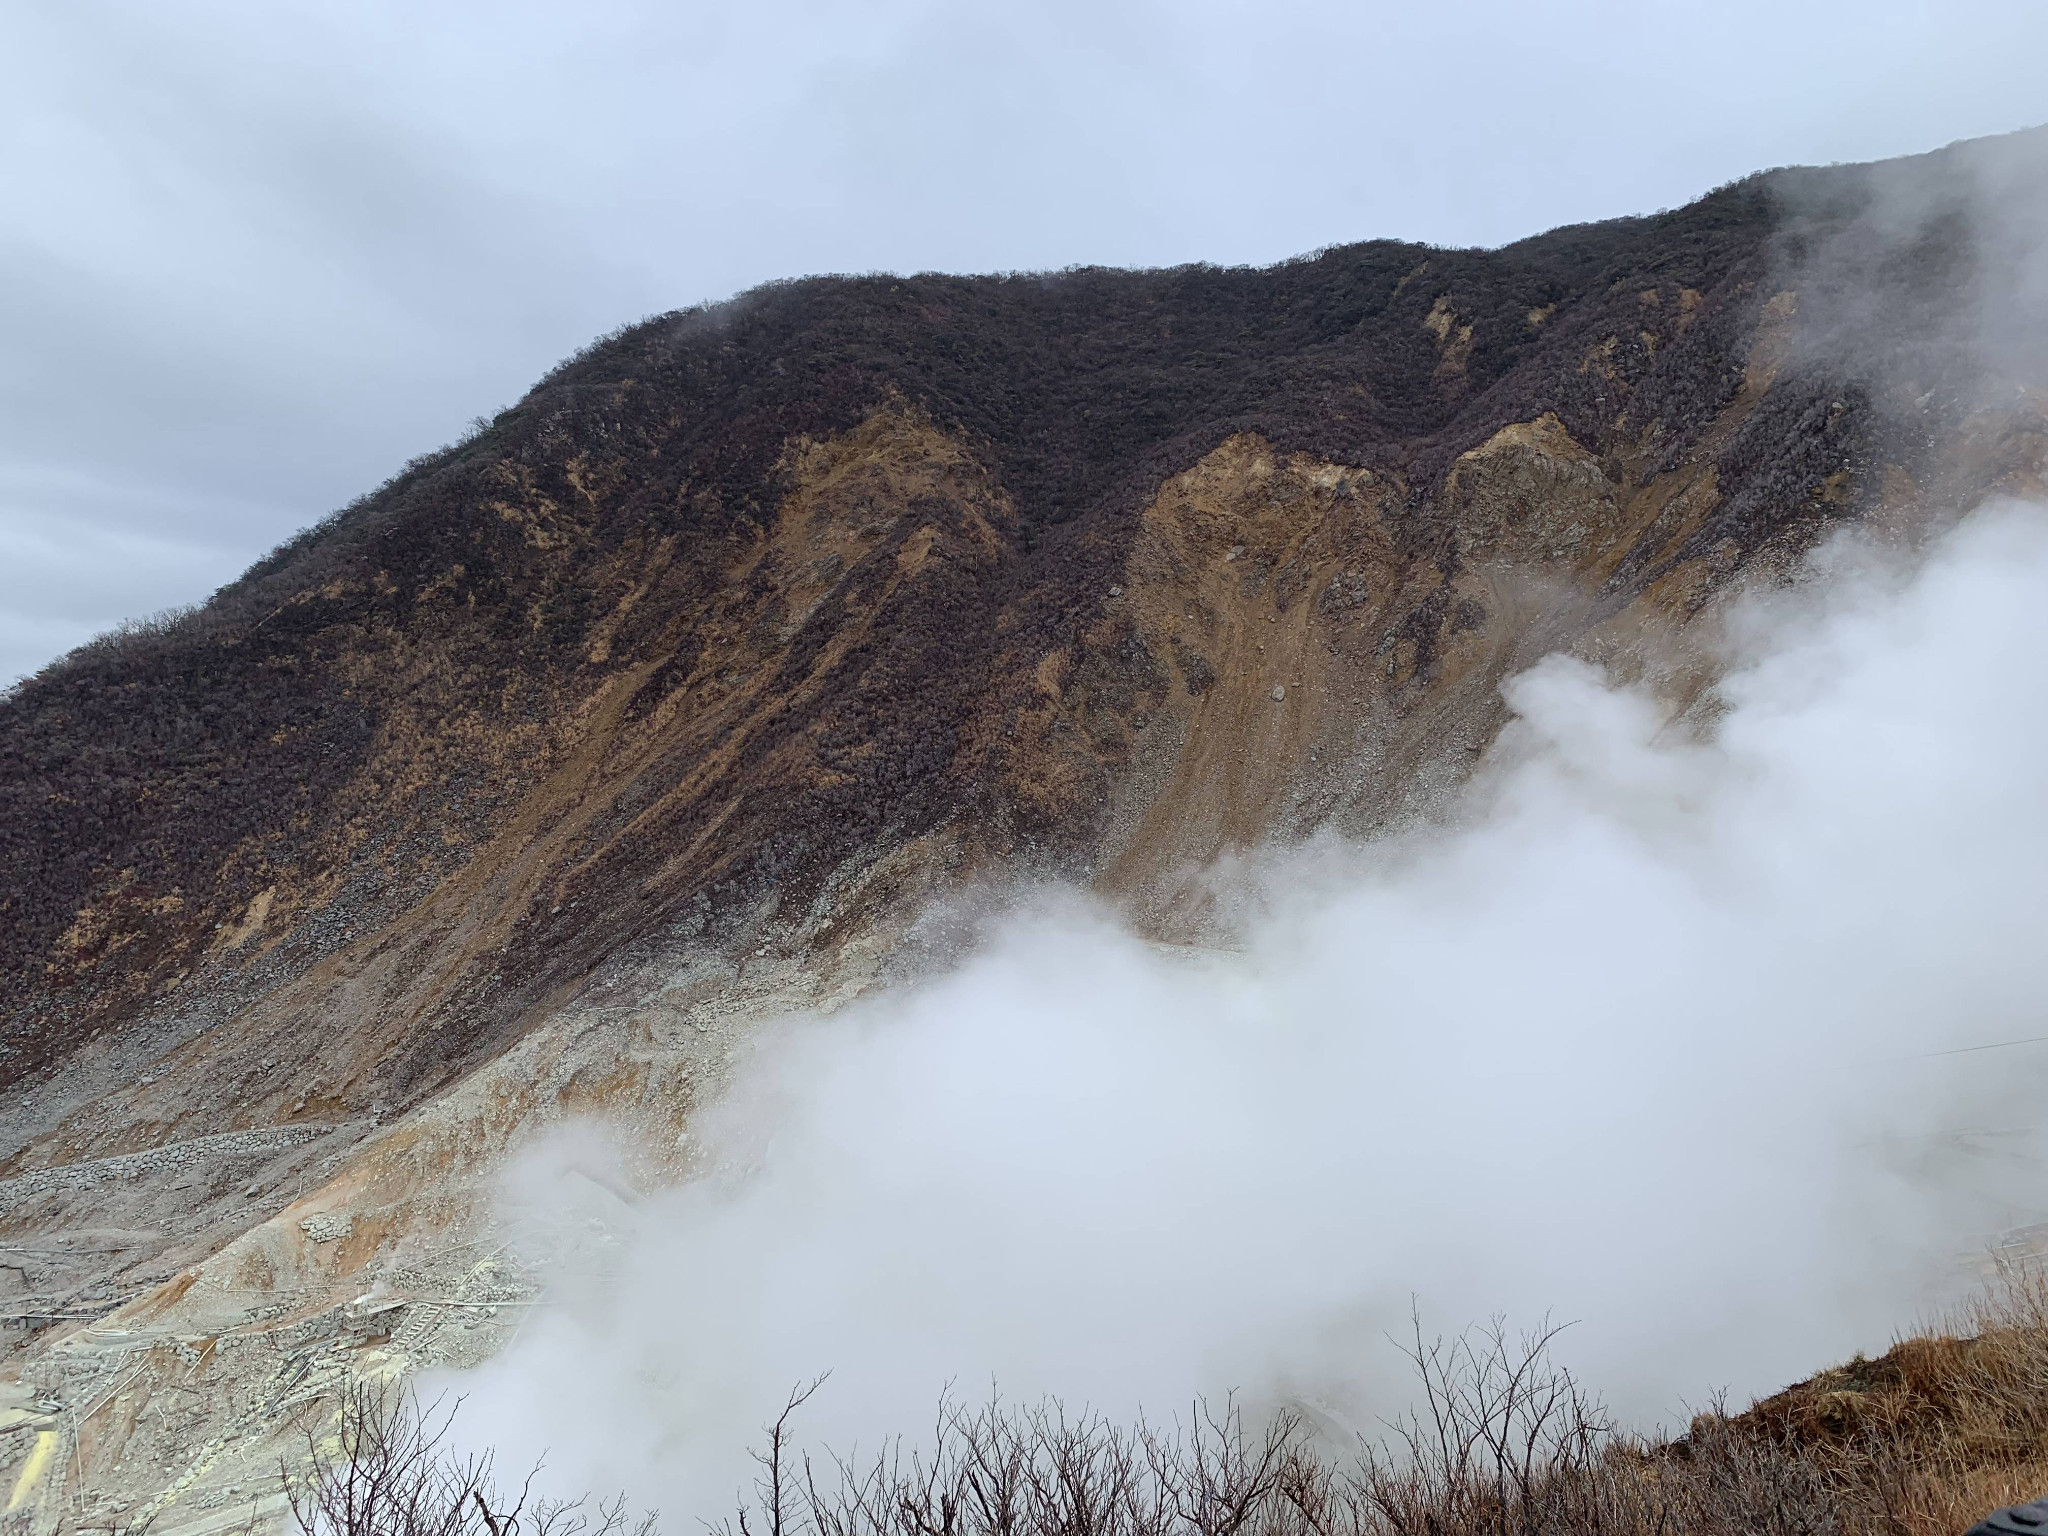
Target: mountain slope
column 695, row 676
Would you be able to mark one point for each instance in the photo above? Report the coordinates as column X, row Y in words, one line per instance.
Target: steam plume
column 1644, row 1041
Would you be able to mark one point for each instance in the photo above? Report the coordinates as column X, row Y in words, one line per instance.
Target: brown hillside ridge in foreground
column 674, row 697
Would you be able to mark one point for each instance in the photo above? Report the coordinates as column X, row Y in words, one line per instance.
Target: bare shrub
column 1032, row 1471
column 1728, row 1477
column 1502, row 1442
column 390, row 1471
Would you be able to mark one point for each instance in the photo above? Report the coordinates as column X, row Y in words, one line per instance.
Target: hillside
column 675, row 694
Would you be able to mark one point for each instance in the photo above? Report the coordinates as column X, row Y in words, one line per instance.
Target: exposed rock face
column 672, row 698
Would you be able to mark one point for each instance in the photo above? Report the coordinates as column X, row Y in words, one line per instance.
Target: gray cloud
column 255, row 256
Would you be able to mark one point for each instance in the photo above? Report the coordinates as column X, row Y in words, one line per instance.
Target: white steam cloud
column 1644, row 1041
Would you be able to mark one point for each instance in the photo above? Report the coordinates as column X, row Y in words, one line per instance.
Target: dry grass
column 1941, row 1429
column 1920, row 1442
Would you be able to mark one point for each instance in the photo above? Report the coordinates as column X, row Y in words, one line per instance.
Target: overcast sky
column 253, row 256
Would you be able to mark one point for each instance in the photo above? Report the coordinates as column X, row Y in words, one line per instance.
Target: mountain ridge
column 729, row 482
column 680, row 694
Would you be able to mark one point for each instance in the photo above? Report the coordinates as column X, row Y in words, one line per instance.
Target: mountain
column 678, row 693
